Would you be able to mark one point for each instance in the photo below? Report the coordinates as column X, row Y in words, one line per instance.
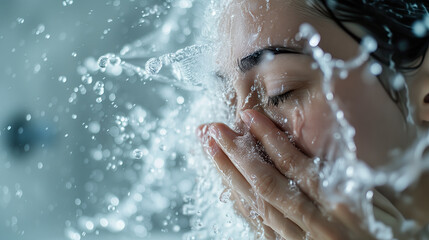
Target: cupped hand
column 269, row 175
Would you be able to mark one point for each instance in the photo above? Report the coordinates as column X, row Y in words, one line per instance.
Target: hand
column 284, row 190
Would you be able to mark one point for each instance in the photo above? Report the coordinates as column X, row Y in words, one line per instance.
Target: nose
column 248, row 97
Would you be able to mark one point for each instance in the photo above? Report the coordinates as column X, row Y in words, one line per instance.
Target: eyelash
column 276, row 100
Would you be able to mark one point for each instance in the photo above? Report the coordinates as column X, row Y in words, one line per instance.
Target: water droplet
column 162, row 147
column 163, row 131
column 114, row 201
column 39, row 165
column 398, row 82
column 112, row 97
column 253, row 214
column 137, row 154
column 225, row 196
column 28, row 117
column 99, row 88
column 74, row 54
column 72, row 234
column 20, row 20
column 67, row 2
column 153, row 66
column 176, row 228
column 102, row 62
column 180, row 100
column 188, row 209
column 125, row 50
column 314, row 40
column 104, row 222
column 40, row 29
column 82, row 89
column 369, row 44
column 89, row 225
column 72, row 97
column 350, row 171
column 87, row 79
column 94, row 127
column 340, row 115
column 369, row 195
column 62, row 79
column 37, row 68
column 119, row 226
column 419, row 29
column 344, row 74
column 111, row 208
column 19, row 193
column 115, row 60
column 375, row 69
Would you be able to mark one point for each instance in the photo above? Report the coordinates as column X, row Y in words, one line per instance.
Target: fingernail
column 202, row 131
column 214, row 132
column 211, row 148
column 247, row 119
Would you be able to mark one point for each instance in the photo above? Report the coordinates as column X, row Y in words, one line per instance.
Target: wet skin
column 291, row 103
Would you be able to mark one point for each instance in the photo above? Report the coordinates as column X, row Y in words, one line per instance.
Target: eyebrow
column 252, row 60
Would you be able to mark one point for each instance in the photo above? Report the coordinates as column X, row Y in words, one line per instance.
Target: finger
column 285, row 156
column 272, row 217
column 356, row 228
column 230, row 174
column 294, row 164
column 255, row 223
column 271, row 185
column 269, row 216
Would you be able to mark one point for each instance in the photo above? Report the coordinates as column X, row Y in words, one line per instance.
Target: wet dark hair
column 390, row 23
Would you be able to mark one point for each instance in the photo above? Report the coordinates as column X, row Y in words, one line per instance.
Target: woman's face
column 287, row 87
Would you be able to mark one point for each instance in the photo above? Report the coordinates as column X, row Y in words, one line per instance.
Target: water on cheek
column 297, row 120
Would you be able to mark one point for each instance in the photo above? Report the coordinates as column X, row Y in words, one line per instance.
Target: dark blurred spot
column 23, row 135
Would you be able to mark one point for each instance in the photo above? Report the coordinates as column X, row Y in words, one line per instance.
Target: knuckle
column 303, row 208
column 285, row 227
column 266, row 185
column 270, row 135
column 287, row 163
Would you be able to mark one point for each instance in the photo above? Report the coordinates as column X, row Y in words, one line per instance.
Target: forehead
column 248, row 25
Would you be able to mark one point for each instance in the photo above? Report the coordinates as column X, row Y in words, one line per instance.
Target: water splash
column 158, row 145
column 359, row 181
column 153, row 66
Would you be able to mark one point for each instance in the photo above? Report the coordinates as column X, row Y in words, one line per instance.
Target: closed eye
column 276, row 100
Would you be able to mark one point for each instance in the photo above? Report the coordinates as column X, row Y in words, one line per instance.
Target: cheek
column 379, row 124
column 310, row 122
column 317, row 127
